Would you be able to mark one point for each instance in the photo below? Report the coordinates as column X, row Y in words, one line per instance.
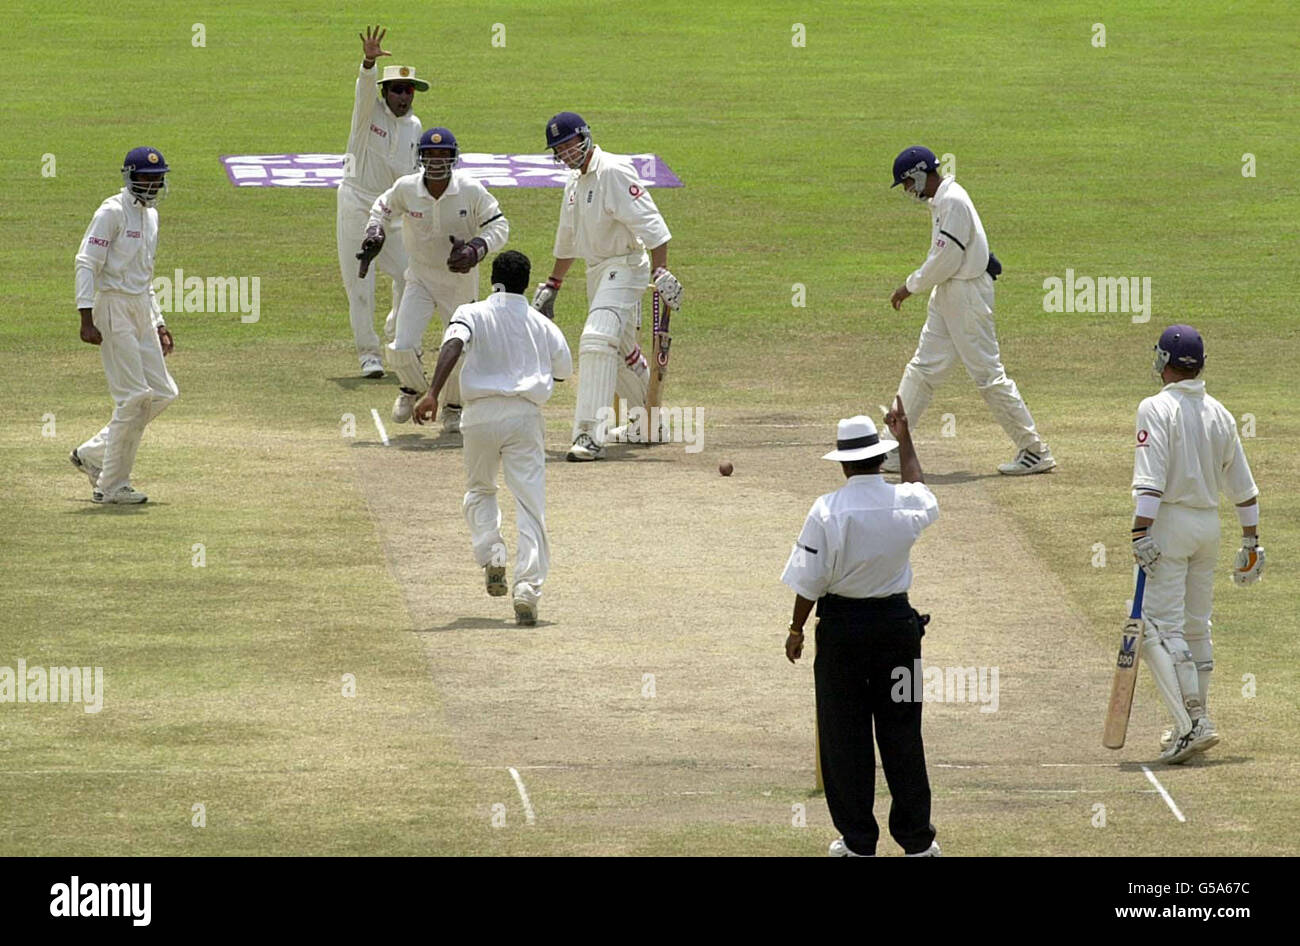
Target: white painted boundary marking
column 523, row 796
column 379, row 425
column 1164, row 794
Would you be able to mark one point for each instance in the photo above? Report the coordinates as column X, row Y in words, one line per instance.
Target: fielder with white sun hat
column 852, row 561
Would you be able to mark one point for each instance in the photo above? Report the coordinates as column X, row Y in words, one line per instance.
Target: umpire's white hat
column 857, row 439
column 403, row 74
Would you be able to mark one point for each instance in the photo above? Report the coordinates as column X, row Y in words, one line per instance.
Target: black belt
column 838, row 605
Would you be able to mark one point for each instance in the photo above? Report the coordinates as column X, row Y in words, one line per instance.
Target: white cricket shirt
column 383, row 147
column 958, row 247
column 465, row 210
column 117, row 251
column 511, row 350
column 1188, row 449
column 607, row 213
column 856, row 541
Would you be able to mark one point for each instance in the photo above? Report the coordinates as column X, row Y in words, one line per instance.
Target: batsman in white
column 958, row 273
column 381, row 148
column 610, row 220
column 513, row 357
column 1187, row 452
column 449, row 222
column 120, row 314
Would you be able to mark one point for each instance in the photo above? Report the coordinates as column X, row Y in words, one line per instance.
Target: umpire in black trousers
column 852, row 561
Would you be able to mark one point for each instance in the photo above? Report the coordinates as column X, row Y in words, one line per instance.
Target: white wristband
column 1147, row 506
column 1248, row 515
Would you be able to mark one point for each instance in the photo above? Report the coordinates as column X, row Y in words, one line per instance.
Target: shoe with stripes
column 495, row 577
column 1037, row 460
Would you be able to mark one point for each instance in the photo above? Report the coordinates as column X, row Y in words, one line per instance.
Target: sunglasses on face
column 403, row 88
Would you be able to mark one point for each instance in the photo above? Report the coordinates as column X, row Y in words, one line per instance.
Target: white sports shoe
column 123, row 495
column 1038, row 460
column 451, row 419
column 839, row 849
column 585, row 449
column 404, row 406
column 1202, row 736
column 931, row 851
column 892, row 464
column 372, row 366
column 495, row 576
column 92, row 472
column 1167, row 736
column 525, row 613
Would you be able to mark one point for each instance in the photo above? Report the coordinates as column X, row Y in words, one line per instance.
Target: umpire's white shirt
column 1188, row 449
column 958, row 246
column 511, row 351
column 465, row 210
column 856, row 541
column 383, row 147
column 607, row 213
column 117, row 252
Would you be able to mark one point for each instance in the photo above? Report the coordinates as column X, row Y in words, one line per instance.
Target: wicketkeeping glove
column 370, row 247
column 1248, row 567
column 544, row 299
column 1145, row 550
column 465, row 256
column 670, row 290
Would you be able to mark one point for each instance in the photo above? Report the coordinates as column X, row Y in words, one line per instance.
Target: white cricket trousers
column 1179, row 594
column 422, row 296
column 609, row 353
column 349, row 231
column 507, row 432
column 959, row 324
column 138, row 381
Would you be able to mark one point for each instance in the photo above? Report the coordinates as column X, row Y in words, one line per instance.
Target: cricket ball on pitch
column 725, row 468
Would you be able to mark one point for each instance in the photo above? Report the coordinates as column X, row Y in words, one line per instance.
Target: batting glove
column 1145, row 550
column 1249, row 566
column 544, row 300
column 670, row 290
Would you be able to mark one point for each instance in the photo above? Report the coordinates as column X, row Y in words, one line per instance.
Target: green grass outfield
column 224, row 682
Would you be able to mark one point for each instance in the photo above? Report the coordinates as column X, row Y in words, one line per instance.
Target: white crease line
column 379, row 425
column 1164, row 794
column 523, row 796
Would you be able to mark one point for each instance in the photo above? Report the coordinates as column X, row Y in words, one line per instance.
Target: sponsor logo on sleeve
column 636, row 191
column 379, row 131
column 96, row 241
column 134, row 234
column 1142, row 438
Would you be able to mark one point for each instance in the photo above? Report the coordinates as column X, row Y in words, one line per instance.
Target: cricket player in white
column 610, row 220
column 381, row 148
column 449, row 222
column 119, row 313
column 958, row 274
column 1187, row 453
column 513, row 357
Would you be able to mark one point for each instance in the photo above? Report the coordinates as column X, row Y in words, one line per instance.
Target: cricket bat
column 1126, row 670
column 660, row 340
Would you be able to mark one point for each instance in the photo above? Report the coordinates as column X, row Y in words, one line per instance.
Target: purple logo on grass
column 491, row 170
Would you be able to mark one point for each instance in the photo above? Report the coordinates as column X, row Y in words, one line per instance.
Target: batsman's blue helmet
column 438, row 166
column 1180, row 346
column 912, row 160
column 564, row 126
column 145, row 160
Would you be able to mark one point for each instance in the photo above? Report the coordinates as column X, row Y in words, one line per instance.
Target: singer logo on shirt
column 135, row 234
column 379, row 131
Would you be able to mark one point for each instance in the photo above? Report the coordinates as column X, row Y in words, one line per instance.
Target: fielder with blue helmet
column 958, row 274
column 120, row 314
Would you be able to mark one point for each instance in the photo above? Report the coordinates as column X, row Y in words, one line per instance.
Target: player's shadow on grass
column 356, row 382
column 483, row 624
column 958, row 477
column 423, row 442
column 110, row 509
column 619, row 453
column 1199, row 761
